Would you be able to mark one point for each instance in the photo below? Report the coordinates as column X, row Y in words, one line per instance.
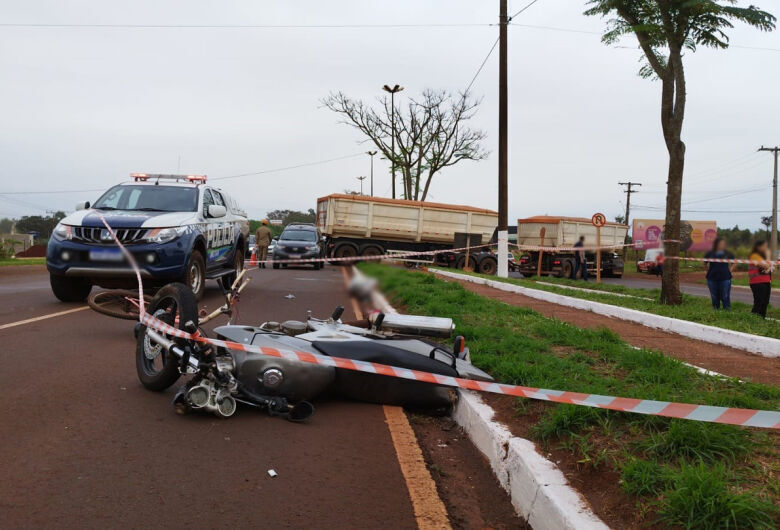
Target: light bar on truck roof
column 143, row 177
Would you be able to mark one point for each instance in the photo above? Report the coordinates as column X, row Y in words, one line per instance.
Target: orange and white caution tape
column 727, row 415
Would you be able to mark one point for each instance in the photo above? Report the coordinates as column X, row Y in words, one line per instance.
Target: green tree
column 665, row 29
column 6, row 225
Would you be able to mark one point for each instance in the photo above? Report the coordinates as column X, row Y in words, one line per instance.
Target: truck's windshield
column 299, row 235
column 149, row 199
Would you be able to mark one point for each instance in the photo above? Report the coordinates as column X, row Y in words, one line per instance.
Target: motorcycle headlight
column 62, row 231
column 164, row 235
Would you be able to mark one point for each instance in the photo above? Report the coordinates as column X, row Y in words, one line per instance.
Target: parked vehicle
column 564, row 232
column 650, row 261
column 358, row 225
column 177, row 228
column 299, row 241
column 224, row 377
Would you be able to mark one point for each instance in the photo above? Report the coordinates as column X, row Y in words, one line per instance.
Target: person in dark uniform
column 579, row 260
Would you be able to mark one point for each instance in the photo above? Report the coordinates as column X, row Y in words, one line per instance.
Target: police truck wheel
column 195, row 276
column 238, row 266
column 70, row 289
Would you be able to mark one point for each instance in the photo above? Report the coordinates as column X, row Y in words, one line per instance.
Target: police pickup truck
column 176, row 227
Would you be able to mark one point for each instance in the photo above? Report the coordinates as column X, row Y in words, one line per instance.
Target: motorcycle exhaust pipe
column 171, row 347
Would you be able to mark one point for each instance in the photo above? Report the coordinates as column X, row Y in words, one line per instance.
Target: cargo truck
column 358, row 225
column 551, row 231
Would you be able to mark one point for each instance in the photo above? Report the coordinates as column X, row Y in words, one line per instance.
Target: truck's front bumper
column 158, row 261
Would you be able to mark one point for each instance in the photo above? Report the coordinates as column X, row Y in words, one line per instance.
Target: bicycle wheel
column 117, row 303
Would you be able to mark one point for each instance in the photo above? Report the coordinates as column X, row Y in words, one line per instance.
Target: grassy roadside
column 693, row 308
column 22, row 261
column 679, row 473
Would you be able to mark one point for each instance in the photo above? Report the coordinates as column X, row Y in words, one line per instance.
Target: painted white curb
column 765, row 346
column 537, row 488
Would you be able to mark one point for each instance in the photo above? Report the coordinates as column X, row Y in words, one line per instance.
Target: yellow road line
column 429, row 510
column 42, row 317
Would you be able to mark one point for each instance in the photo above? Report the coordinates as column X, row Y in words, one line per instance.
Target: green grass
column 729, row 472
column 693, row 308
column 22, row 261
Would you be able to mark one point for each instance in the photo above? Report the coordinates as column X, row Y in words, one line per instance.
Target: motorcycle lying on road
column 223, row 377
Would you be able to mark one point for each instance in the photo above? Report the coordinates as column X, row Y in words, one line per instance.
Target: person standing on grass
column 579, row 260
column 659, row 264
column 760, row 275
column 719, row 274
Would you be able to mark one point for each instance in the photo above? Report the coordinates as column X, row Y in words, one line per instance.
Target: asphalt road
column 85, row 445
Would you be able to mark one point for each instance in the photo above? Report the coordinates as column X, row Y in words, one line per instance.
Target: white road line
column 43, row 317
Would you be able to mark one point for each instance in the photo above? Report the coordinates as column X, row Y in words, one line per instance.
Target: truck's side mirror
column 215, row 210
column 82, row 205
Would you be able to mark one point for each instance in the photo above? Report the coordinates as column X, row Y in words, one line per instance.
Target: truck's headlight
column 63, row 231
column 164, row 235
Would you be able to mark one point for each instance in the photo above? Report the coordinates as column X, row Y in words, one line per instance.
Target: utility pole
column 361, row 179
column 392, row 92
column 628, row 191
column 503, row 235
column 371, row 154
column 773, row 238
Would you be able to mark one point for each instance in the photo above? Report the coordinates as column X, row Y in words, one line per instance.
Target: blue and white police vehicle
column 177, row 227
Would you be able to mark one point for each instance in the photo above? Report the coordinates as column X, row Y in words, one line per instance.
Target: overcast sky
column 83, row 107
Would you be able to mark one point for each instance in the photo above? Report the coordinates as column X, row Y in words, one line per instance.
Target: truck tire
column 195, row 275
column 461, row 263
column 567, row 267
column 68, row 289
column 371, row 250
column 488, row 265
column 345, row 250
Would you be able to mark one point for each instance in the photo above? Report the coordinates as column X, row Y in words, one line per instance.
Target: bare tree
column 429, row 136
column 665, row 30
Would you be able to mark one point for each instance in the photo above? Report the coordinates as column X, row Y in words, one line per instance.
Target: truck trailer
column 358, row 225
column 552, row 231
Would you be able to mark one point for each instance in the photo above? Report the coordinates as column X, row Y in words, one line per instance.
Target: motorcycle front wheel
column 175, row 305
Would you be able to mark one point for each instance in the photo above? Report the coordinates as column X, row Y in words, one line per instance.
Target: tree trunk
column 670, row 287
column 672, row 115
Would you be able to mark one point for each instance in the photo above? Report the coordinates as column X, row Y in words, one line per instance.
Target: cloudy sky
column 82, row 107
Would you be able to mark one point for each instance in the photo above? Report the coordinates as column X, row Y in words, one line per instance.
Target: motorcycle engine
column 209, row 394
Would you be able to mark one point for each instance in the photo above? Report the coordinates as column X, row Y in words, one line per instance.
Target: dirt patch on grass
column 722, row 359
column 35, row 251
column 464, row 480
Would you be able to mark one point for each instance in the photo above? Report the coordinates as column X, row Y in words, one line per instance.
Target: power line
column 240, row 26
column 481, row 66
column 762, row 188
column 287, row 168
column 54, row 192
column 529, row 4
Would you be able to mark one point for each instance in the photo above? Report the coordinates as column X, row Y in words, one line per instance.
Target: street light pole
column 361, row 179
column 503, row 229
column 392, row 91
column 371, row 154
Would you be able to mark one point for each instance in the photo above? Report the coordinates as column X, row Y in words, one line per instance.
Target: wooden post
column 598, row 254
column 466, row 266
column 541, row 252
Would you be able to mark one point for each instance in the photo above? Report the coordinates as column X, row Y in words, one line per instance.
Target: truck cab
column 176, row 227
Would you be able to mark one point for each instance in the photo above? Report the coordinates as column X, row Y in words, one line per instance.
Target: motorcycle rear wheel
column 174, row 304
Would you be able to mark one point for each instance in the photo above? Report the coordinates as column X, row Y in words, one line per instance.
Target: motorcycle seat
column 378, row 352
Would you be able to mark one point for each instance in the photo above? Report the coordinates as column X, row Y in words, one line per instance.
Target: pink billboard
column 695, row 236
